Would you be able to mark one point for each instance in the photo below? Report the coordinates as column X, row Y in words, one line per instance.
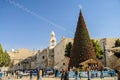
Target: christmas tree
column 82, row 49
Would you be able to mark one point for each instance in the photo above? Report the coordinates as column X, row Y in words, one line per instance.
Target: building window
column 52, row 55
column 53, row 41
column 43, row 57
column 18, row 64
column 63, row 64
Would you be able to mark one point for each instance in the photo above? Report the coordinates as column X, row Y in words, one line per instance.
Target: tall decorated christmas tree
column 82, row 49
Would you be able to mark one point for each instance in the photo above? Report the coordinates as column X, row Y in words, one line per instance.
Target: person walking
column 88, row 70
column 17, row 74
column 42, row 73
column 62, row 74
column 101, row 75
column 76, row 75
column 80, row 76
column 66, row 76
column 56, row 72
column 88, row 73
column 38, row 75
column 31, row 75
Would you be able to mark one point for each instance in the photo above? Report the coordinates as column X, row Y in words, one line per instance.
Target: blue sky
column 28, row 23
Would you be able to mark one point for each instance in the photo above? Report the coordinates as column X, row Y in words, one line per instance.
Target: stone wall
column 59, row 52
column 18, row 56
column 45, row 58
column 42, row 58
column 55, row 57
column 51, row 58
column 110, row 58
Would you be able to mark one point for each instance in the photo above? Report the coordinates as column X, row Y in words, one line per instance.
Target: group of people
column 39, row 74
column 64, row 75
column 77, row 75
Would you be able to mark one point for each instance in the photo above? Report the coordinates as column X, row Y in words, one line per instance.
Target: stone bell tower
column 52, row 41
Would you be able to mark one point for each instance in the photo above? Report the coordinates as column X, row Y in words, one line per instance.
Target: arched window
column 43, row 57
column 63, row 64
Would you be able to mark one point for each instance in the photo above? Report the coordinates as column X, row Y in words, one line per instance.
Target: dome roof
column 52, row 33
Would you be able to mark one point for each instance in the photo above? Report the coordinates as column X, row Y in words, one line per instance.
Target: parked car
column 25, row 74
column 22, row 74
column 109, row 71
column 34, row 72
column 49, row 71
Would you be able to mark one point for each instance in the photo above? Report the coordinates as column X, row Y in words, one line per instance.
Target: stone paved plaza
column 34, row 78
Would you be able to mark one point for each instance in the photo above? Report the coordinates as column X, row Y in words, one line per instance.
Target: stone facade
column 20, row 58
column 55, row 58
column 59, row 51
column 107, row 46
column 45, row 58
